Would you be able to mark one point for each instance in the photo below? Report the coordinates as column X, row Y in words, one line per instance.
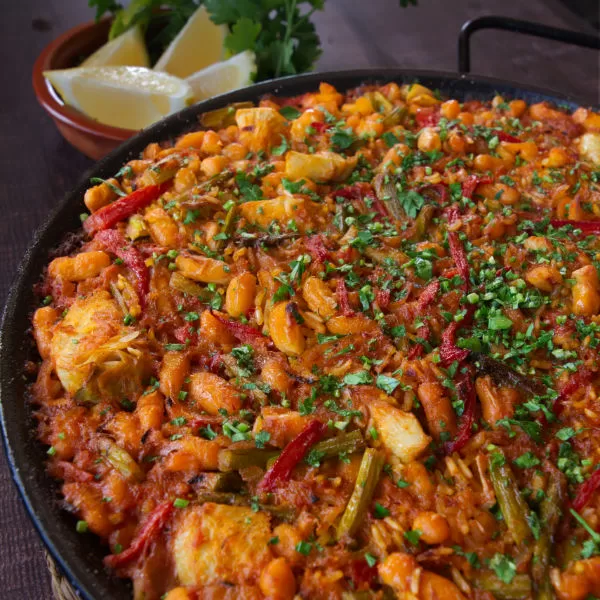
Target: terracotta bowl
column 90, row 137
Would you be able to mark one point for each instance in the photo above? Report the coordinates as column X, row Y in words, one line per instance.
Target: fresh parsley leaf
column 380, row 512
column 289, row 112
column 412, row 202
column 314, row 457
column 386, row 383
column 358, row 378
column 527, row 460
column 504, row 567
column 261, row 438
column 248, row 190
column 243, row 35
column 413, row 536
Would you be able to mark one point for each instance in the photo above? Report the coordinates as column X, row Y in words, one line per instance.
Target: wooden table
column 37, row 166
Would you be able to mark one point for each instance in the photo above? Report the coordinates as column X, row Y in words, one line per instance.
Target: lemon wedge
column 129, row 49
column 197, row 45
column 224, row 76
column 128, row 97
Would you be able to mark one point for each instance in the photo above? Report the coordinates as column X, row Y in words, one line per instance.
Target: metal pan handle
column 507, row 24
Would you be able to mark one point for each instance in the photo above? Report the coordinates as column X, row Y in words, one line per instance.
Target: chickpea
column 274, row 374
column 235, row 151
column 466, row 118
column 457, row 143
column 98, row 196
column 450, row 109
column 213, row 165
column 191, row 140
column 433, row 527
column 284, row 328
column 213, row 393
column 517, row 108
column 211, row 143
column 79, row 267
column 277, row 582
column 240, row 294
column 178, row 593
column 43, row 322
column 429, row 140
column 557, row 157
column 586, row 291
column 184, row 179
column 544, row 277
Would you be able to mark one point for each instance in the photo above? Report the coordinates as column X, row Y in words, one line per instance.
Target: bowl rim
column 48, row 98
column 29, row 475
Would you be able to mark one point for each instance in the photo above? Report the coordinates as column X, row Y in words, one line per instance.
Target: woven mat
column 61, row 588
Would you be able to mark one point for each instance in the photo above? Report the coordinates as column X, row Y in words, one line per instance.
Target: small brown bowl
column 90, row 137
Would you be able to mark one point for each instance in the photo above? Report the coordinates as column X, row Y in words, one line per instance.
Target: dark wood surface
column 37, row 166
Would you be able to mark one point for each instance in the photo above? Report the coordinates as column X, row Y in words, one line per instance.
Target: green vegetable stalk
column 364, row 488
column 513, row 506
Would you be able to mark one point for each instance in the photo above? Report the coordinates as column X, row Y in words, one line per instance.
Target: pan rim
column 83, row 577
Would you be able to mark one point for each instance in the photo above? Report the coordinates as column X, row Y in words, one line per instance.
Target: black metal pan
column 80, row 556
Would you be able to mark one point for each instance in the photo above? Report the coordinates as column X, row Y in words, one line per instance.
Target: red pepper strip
column 383, row 298
column 466, row 392
column 440, row 189
column 427, row 117
column 586, row 490
column 186, row 335
column 244, row 333
column 460, row 257
column 319, row 127
column 151, row 528
column 291, row 455
column 109, row 216
column 116, row 243
column 428, row 295
column 452, row 214
column 417, row 350
column 585, row 226
column 578, row 380
column 362, row 574
column 378, row 207
column 449, row 351
column 506, row 137
column 342, row 295
column 470, row 184
column 314, row 244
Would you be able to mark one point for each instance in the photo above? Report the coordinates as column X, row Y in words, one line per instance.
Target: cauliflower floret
column 215, row 543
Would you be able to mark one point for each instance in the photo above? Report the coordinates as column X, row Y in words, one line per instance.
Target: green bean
column 218, row 482
column 364, row 488
column 285, row 513
column 120, row 459
column 227, row 226
column 387, row 193
column 550, row 513
column 234, row 459
column 187, row 286
column 380, row 102
column 394, row 117
column 222, row 117
column 346, row 442
column 513, row 506
column 518, row 588
column 422, row 221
